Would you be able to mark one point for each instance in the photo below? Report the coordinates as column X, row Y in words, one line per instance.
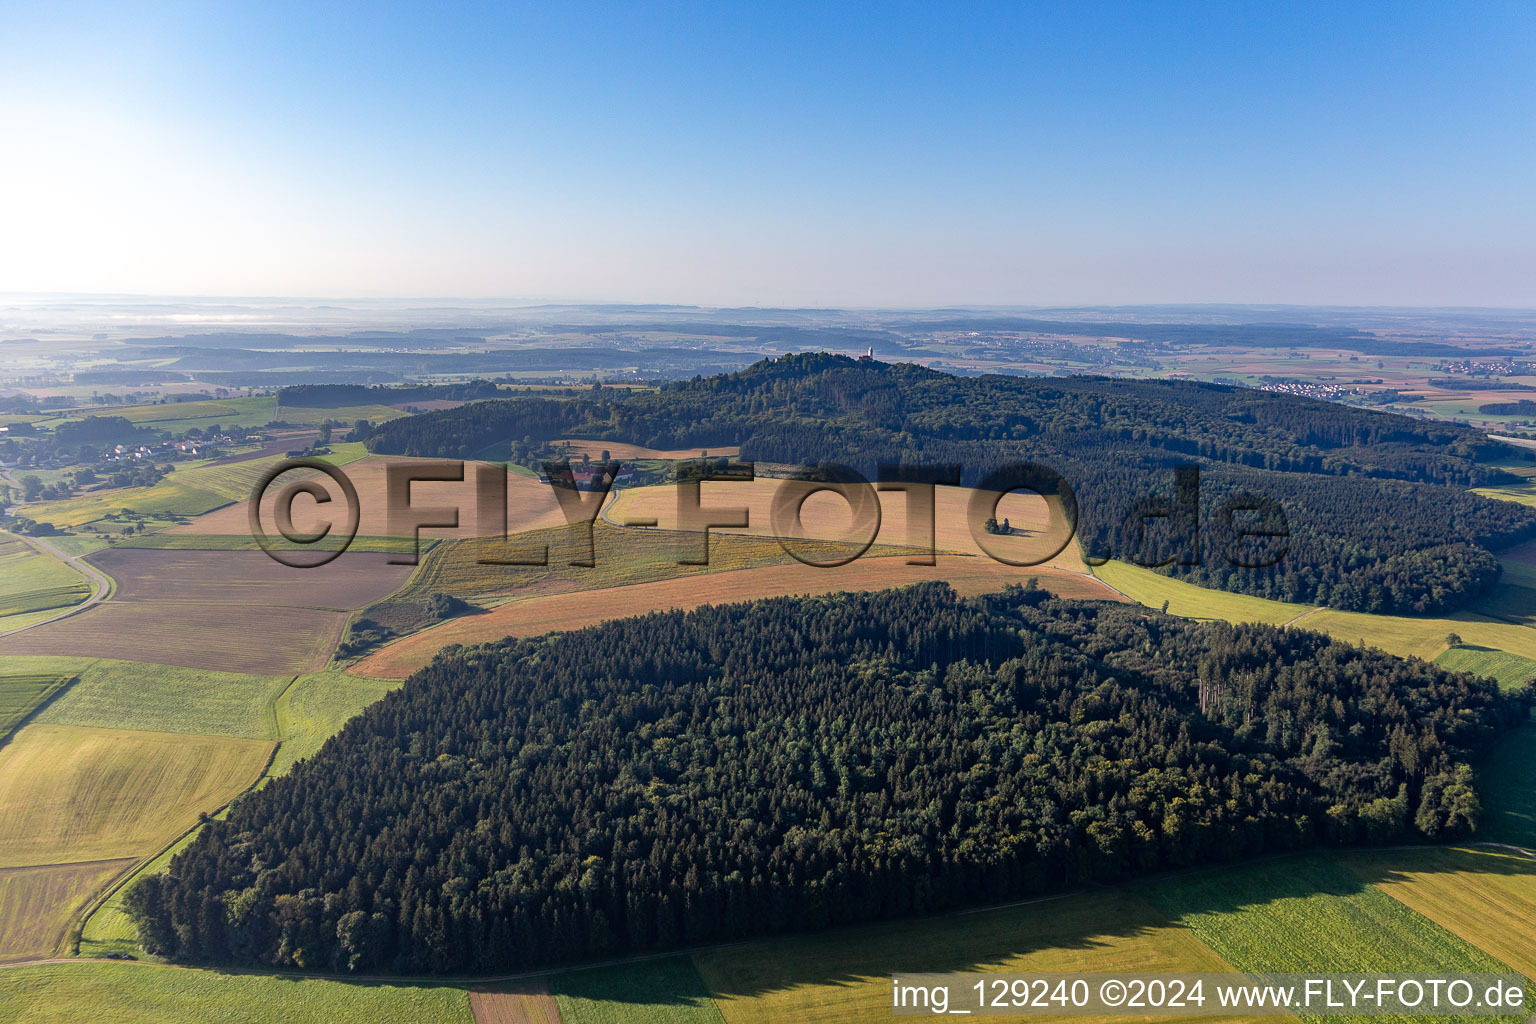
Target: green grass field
column 1151, row 589
column 33, row 581
column 347, row 414
column 316, row 706
column 1424, row 637
column 20, row 694
column 161, row 698
column 1509, row 669
column 1310, row 914
column 662, row 991
column 142, row 994
column 1487, row 897
column 845, row 976
column 307, row 713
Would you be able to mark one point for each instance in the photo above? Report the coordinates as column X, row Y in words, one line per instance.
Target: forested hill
column 1376, row 505
column 798, row 763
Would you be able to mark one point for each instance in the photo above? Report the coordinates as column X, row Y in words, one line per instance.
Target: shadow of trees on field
column 1069, row 931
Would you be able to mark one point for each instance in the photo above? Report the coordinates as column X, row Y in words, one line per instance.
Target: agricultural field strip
column 22, row 694
column 35, row 577
column 38, row 903
column 73, row 793
column 759, row 956
column 1486, row 896
column 304, row 713
column 1311, row 914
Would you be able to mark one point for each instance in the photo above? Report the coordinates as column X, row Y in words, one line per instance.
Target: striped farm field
column 32, row 581
column 525, row 1002
column 23, row 693
column 1310, row 914
column 467, row 568
column 1488, row 897
column 1508, row 669
column 845, row 977
column 37, row 904
column 110, row 694
column 251, row 578
column 71, row 794
column 544, row 614
column 224, row 638
column 128, row 993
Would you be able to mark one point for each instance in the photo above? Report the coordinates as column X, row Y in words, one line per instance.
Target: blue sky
column 774, row 154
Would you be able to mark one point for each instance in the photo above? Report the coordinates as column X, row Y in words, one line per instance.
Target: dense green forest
column 1524, row 407
column 798, row 763
column 1374, row 503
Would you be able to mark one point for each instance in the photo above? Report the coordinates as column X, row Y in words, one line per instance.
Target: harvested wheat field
column 573, row 611
column 619, row 450
column 530, row 504
column 527, row 1002
column 37, row 904
column 269, row 641
column 1040, row 527
column 252, row 578
column 71, row 794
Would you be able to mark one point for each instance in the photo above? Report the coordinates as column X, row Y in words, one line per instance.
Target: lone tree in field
column 1452, row 640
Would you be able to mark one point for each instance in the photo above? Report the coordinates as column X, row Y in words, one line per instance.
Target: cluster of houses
column 190, row 447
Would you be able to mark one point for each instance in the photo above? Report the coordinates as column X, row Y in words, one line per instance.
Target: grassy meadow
column 845, row 976
column 1311, row 914
column 315, row 707
column 1488, row 897
column 1509, row 669
column 34, row 581
column 665, row 991
column 110, row 694
column 126, row 993
column 1152, row 589
column 21, row 694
